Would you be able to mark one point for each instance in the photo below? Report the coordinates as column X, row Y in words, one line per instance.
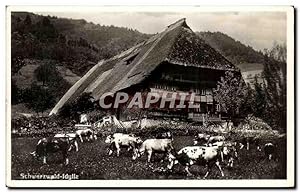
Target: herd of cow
column 206, row 150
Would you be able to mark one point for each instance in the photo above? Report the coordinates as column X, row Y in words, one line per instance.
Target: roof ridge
column 178, row 22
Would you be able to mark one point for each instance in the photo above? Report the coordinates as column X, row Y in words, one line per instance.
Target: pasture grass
column 92, row 162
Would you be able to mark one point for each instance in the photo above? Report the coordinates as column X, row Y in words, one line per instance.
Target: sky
column 257, row 29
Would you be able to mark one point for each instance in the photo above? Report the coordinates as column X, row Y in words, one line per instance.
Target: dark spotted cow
column 72, row 137
column 52, row 145
column 196, row 155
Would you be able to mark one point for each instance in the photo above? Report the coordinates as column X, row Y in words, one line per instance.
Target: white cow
column 89, row 134
column 119, row 140
column 156, row 146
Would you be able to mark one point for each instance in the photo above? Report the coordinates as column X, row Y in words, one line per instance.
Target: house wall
column 177, row 79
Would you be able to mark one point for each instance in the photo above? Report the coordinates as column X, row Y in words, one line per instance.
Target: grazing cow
column 156, row 146
column 89, row 134
column 119, row 140
column 196, row 155
column 71, row 137
column 214, row 139
column 201, row 139
column 52, row 145
column 269, row 150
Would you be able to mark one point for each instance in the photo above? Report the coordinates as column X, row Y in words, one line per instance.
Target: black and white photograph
column 196, row 97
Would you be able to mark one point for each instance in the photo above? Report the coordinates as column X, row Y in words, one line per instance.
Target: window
column 203, row 92
column 218, row 107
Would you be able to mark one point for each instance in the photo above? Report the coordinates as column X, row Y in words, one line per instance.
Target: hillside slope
column 69, row 47
column 25, row 76
column 244, row 57
column 76, row 43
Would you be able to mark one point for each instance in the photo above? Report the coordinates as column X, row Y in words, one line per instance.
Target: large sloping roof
column 178, row 44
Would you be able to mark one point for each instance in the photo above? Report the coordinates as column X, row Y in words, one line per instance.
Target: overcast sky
column 257, row 29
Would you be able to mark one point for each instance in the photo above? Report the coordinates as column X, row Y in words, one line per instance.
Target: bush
column 39, row 126
column 38, row 98
column 254, row 123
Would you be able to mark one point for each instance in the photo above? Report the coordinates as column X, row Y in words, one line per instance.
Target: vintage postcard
column 150, row 97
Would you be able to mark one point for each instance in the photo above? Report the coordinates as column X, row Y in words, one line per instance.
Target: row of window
column 177, row 76
column 204, row 107
column 207, row 91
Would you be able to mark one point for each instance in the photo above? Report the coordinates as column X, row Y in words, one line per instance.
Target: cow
column 156, row 146
column 201, row 139
column 195, row 155
column 71, row 137
column 227, row 149
column 52, row 145
column 269, row 150
column 119, row 140
column 89, row 134
column 214, row 139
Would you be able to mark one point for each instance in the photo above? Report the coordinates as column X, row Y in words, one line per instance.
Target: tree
column 46, row 73
column 38, row 98
column 274, row 84
column 230, row 93
column 277, row 52
column 247, row 107
column 82, row 104
column 259, row 103
column 17, row 52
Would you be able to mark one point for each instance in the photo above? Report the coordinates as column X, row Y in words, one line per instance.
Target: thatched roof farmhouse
column 176, row 58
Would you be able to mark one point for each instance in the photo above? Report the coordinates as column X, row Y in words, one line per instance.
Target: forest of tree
column 75, row 43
